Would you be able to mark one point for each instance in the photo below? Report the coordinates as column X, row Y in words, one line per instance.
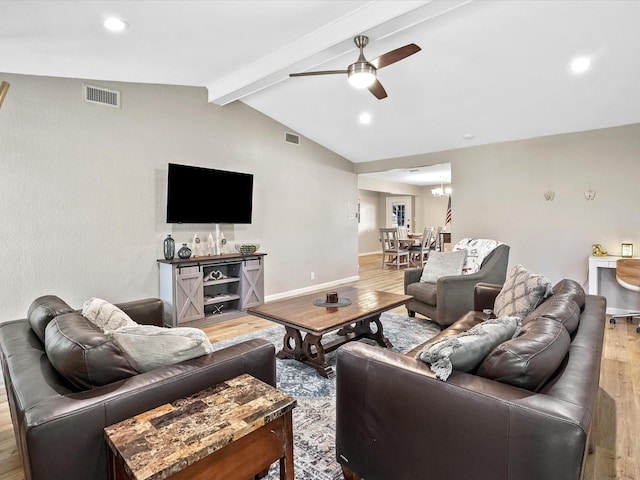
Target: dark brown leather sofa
column 59, row 430
column 396, row 420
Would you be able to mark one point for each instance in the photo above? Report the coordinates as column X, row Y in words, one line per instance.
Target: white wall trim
column 312, row 288
column 377, row 252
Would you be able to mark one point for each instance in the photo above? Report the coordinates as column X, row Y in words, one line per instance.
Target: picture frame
column 626, row 250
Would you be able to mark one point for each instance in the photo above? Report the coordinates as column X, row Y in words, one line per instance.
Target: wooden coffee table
column 299, row 315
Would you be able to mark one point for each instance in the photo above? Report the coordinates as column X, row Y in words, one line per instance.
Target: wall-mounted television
column 206, row 195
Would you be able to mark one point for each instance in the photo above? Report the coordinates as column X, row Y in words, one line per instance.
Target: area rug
column 314, row 416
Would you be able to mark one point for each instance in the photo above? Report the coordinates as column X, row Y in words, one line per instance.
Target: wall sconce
column 548, row 195
column 4, row 88
column 589, row 194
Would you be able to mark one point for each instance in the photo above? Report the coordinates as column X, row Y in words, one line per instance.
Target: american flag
column 447, row 218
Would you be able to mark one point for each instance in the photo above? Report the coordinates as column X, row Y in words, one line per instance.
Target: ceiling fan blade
column 395, row 55
column 323, row 72
column 378, row 90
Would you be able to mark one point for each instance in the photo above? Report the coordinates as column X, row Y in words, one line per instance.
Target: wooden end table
column 232, row 431
column 300, row 316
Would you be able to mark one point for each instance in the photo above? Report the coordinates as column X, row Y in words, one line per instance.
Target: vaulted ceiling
column 488, row 71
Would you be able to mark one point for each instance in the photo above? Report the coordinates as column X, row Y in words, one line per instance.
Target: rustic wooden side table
column 234, row 430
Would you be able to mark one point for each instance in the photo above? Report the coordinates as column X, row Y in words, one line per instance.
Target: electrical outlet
column 313, row 275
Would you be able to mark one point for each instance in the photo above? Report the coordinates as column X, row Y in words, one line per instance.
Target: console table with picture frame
column 210, row 289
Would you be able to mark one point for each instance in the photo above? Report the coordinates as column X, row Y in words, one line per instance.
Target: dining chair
column 628, row 276
column 392, row 253
column 440, row 239
column 418, row 254
column 403, row 232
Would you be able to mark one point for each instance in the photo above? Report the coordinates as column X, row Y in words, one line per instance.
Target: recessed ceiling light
column 365, row 118
column 114, row 24
column 468, row 136
column 580, row 65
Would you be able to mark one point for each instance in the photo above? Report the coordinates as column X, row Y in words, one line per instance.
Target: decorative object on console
column 626, row 250
column 597, row 251
column 247, row 248
column 169, row 248
column 197, row 247
column 211, row 245
column 184, row 252
column 214, row 275
column 589, row 194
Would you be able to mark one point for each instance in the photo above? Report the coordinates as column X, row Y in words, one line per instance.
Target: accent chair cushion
column 466, row 350
column 529, row 360
column 521, row 293
column 423, row 292
column 148, row 347
column 105, row 315
column 43, row 310
column 441, row 264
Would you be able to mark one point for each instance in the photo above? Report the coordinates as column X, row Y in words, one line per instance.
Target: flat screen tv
column 206, row 195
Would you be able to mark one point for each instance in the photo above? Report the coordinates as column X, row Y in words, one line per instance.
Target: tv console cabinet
column 210, row 289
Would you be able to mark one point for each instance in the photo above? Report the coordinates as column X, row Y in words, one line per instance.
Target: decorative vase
column 169, row 247
column 184, row 252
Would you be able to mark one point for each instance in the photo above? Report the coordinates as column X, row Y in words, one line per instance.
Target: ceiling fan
column 362, row 73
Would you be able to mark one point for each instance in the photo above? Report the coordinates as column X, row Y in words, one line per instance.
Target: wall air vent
column 101, row 96
column 291, row 139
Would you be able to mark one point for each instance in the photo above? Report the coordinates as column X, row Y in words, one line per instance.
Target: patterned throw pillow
column 477, row 250
column 521, row 293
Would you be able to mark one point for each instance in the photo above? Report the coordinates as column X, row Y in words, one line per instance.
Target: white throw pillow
column 521, row 293
column 465, row 351
column 477, row 250
column 148, row 347
column 105, row 315
column 441, row 264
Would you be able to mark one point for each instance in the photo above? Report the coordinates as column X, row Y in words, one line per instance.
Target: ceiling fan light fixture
column 361, row 75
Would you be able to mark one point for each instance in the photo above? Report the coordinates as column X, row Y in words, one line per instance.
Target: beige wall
column 83, row 191
column 498, row 193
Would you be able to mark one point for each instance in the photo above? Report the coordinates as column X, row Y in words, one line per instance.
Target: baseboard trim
column 377, row 252
column 309, row 289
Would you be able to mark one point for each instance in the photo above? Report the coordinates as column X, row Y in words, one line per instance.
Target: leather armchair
column 452, row 296
column 59, row 430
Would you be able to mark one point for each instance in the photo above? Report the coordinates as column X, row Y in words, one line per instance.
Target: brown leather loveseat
column 525, row 413
column 59, row 428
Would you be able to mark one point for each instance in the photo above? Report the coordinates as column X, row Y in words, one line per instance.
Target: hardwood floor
column 616, row 440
